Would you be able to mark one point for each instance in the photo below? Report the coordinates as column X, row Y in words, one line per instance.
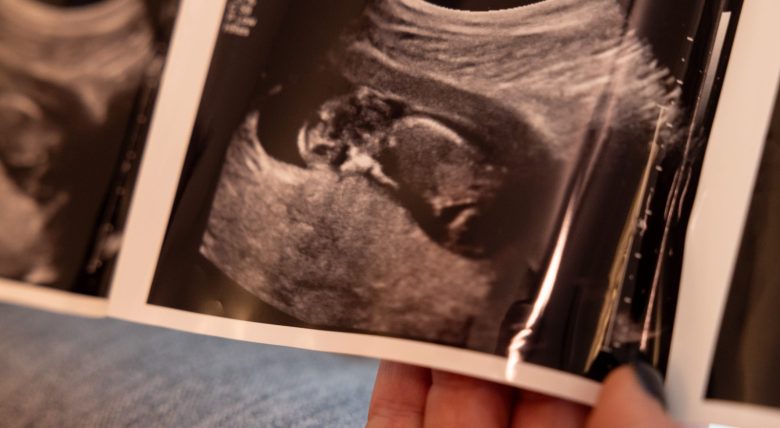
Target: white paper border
column 52, row 299
column 715, row 230
column 171, row 128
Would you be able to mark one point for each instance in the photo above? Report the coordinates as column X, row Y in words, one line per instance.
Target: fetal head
column 357, row 122
column 436, row 170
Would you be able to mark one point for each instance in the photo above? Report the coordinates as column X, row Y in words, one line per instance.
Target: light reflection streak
column 519, row 340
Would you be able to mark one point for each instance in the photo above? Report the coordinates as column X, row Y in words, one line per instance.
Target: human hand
column 407, row 396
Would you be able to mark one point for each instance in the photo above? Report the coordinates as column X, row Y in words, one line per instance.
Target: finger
column 632, row 396
column 399, row 396
column 461, row 401
column 538, row 410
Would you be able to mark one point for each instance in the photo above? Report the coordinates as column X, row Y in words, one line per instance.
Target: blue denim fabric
column 60, row 371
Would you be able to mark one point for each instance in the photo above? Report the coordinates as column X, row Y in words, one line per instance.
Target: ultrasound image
column 70, row 73
column 410, row 180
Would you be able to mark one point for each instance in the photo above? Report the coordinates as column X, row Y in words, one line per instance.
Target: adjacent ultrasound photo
column 77, row 81
column 746, row 364
column 474, row 174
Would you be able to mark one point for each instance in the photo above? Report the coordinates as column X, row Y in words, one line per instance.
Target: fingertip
column 650, row 380
column 399, row 396
column 458, row 400
column 538, row 410
column 632, row 395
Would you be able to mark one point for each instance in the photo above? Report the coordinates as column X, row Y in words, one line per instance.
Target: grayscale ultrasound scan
column 485, row 175
column 75, row 77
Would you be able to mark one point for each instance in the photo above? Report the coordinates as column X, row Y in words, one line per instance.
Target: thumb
column 632, row 396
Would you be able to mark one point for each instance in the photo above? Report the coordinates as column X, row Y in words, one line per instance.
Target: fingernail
column 651, row 381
